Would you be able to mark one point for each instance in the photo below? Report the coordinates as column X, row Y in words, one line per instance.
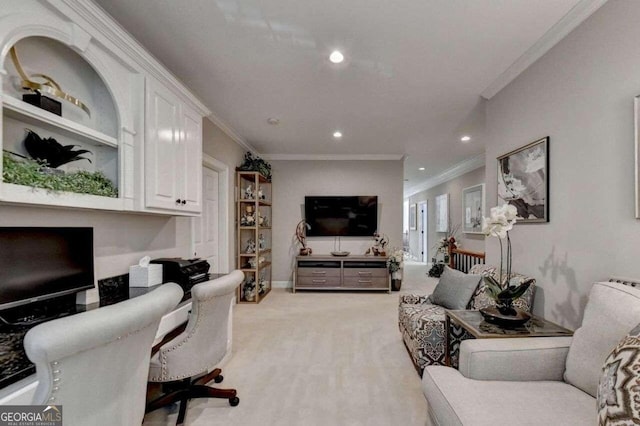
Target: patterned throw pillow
column 618, row 396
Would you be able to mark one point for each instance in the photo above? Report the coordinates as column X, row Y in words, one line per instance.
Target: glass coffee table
column 462, row 325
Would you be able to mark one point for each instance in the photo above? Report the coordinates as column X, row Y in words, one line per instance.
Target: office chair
column 185, row 364
column 96, row 363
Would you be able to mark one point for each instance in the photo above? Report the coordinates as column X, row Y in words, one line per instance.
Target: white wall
column 454, row 187
column 581, row 95
column 120, row 239
column 221, row 147
column 292, row 180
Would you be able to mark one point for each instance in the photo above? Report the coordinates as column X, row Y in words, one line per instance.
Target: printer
column 186, row 272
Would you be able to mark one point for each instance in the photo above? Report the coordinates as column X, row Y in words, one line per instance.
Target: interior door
column 207, row 224
column 423, row 228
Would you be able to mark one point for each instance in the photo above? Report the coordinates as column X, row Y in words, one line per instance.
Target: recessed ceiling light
column 336, row 57
column 273, row 121
column 421, row 168
column 465, row 138
column 337, row 135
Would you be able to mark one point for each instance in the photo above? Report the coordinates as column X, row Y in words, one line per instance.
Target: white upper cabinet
column 173, row 152
column 144, row 130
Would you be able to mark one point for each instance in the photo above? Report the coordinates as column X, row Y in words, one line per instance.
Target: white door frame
column 424, row 227
column 223, row 208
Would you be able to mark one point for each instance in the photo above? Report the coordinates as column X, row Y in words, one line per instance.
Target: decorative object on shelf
column 29, row 172
column 262, row 220
column 248, row 218
column 395, row 263
column 253, row 262
column 251, row 246
column 50, row 152
column 262, row 284
column 472, row 209
column 248, row 192
column 261, row 195
column 249, row 289
column 380, row 242
column 256, row 164
column 262, row 244
column 523, row 181
column 49, row 87
column 442, row 213
column 503, row 290
column 301, row 236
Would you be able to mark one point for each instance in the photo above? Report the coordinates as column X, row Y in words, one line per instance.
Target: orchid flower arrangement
column 498, row 224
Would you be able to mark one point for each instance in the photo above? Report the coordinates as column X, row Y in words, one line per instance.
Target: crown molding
column 579, row 13
column 458, row 170
column 99, row 20
column 334, row 157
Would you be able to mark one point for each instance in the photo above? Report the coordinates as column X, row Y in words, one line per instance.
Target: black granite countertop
column 14, row 364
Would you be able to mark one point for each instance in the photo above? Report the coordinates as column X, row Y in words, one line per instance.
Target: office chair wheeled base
column 184, row 390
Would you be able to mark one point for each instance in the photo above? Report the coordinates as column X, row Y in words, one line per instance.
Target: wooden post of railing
column 451, row 250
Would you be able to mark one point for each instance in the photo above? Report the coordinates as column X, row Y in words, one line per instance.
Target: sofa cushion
column 455, row 288
column 619, row 389
column 456, row 400
column 612, row 311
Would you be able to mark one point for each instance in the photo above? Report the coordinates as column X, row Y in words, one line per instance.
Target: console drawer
column 366, row 273
column 319, row 272
column 365, row 282
column 306, row 281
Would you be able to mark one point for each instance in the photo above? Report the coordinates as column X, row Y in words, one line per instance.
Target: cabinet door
column 190, row 161
column 161, row 147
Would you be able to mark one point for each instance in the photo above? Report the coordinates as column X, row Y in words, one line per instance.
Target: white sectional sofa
column 543, row 381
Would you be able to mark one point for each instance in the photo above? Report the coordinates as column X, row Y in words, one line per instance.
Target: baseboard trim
column 282, row 284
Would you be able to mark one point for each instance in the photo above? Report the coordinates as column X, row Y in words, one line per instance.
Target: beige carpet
column 317, row 358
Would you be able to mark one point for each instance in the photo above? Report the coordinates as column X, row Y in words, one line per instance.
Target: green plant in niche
column 50, row 152
column 30, row 173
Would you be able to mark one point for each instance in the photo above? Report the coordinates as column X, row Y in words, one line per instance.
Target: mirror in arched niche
column 76, row 77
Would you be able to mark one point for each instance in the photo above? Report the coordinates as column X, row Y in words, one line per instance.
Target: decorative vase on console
column 498, row 224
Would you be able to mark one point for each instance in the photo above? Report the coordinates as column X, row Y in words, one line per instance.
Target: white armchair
column 95, row 363
column 186, row 363
column 534, row 381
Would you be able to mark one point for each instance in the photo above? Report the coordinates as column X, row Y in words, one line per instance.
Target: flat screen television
column 355, row 216
column 41, row 263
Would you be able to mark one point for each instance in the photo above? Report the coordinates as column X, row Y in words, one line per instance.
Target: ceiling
column 412, row 83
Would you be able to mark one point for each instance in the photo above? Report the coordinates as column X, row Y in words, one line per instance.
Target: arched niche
column 77, row 77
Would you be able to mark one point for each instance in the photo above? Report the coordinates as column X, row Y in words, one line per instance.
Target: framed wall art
column 442, row 213
column 636, row 106
column 523, row 181
column 473, row 209
column 413, row 213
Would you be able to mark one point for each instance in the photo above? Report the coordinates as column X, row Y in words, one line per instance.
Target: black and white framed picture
column 442, row 213
column 523, row 181
column 473, row 206
column 413, row 213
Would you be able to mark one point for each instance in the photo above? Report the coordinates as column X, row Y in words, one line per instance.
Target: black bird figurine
column 50, row 152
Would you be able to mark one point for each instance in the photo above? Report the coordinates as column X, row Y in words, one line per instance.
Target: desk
column 21, row 392
column 462, row 324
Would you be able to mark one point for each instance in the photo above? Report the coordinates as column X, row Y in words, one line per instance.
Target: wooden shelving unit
column 253, row 229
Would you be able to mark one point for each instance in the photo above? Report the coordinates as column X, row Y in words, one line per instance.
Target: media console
column 326, row 272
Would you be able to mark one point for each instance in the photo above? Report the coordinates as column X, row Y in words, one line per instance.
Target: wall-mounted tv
column 40, row 263
column 348, row 216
